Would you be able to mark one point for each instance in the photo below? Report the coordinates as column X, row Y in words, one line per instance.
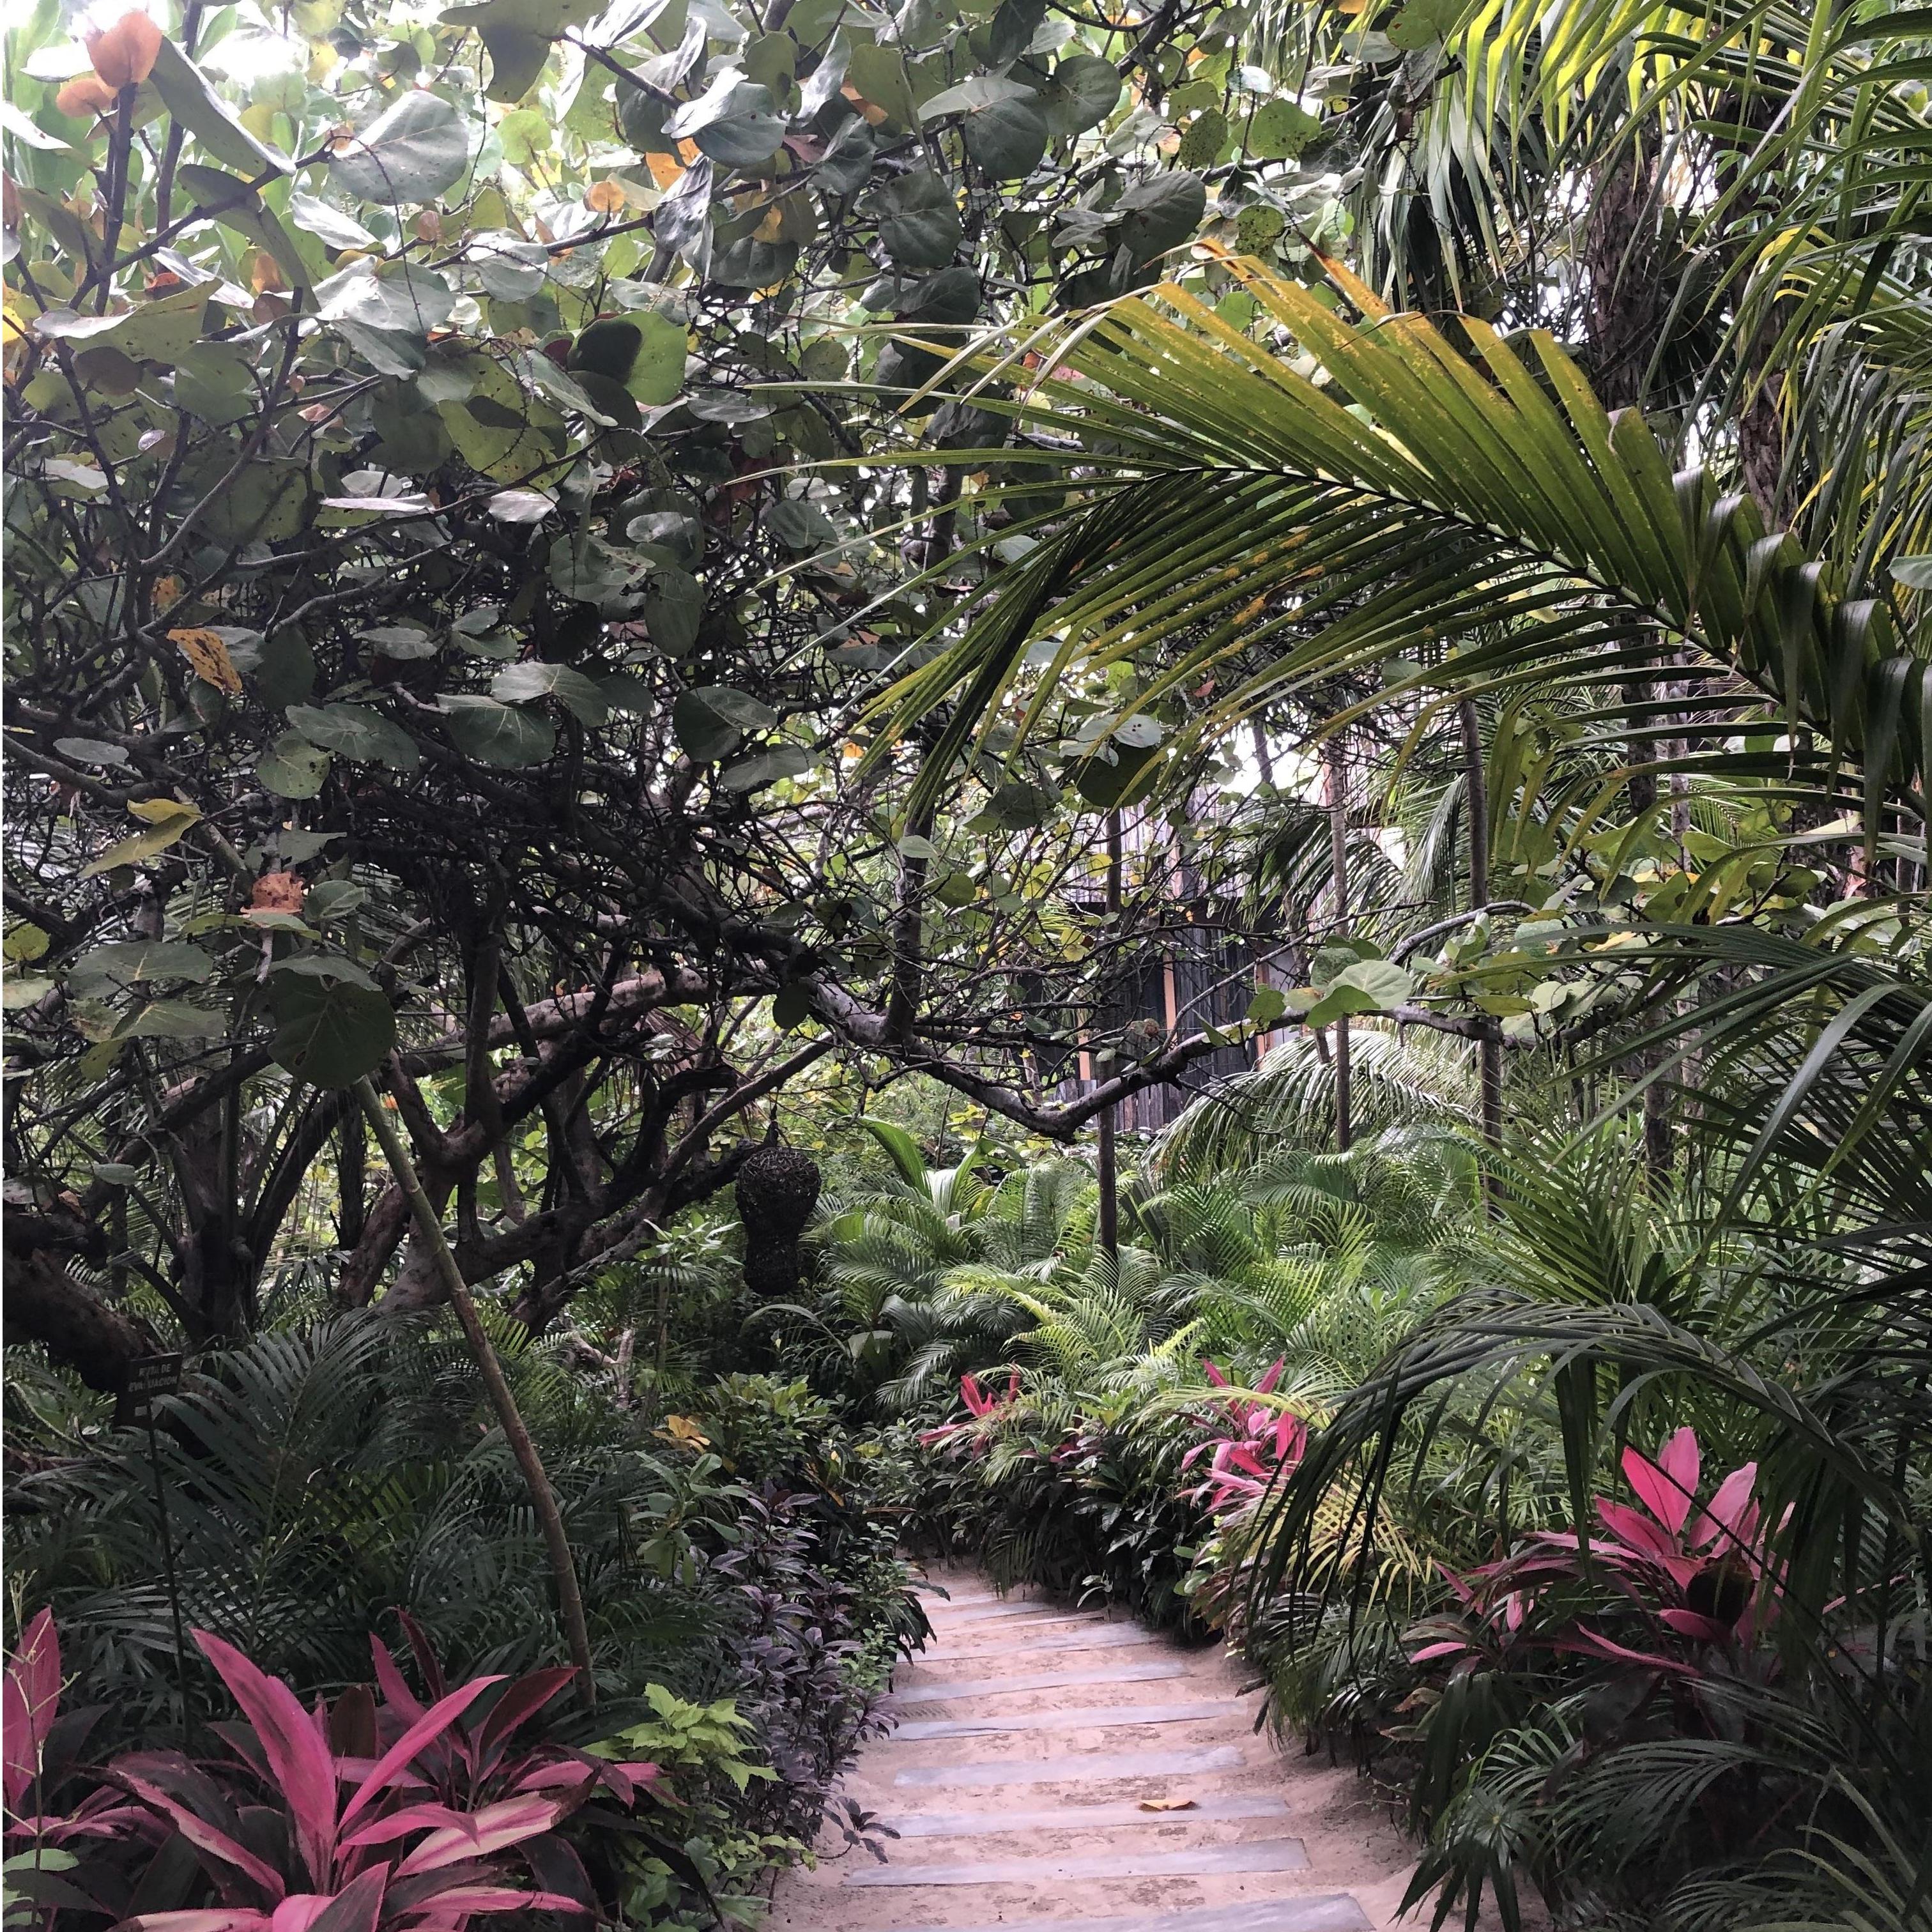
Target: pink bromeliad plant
column 1701, row 1573
column 321, row 1820
column 1258, row 1444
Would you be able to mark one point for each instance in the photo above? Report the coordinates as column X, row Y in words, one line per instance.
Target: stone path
column 1059, row 1772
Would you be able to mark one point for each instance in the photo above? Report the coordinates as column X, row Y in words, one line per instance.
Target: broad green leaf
column 495, row 733
column 293, row 768
column 710, row 720
column 133, row 962
column 521, row 683
column 358, row 733
column 331, row 1032
column 1161, row 212
column 1085, row 91
column 168, row 820
column 410, row 153
column 919, row 220
column 1008, row 139
column 187, row 95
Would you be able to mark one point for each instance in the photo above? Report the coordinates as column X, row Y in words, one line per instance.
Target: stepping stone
column 1081, row 1817
column 1084, row 1719
column 1267, row 1855
column 989, row 1611
column 1331, row 1911
column 1074, row 1765
column 947, row 1689
column 1101, row 1637
column 976, row 1624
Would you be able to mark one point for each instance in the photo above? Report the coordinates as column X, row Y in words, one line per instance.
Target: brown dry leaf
column 604, row 197
column 872, row 111
column 86, row 93
column 1167, row 1803
column 277, row 892
column 664, row 169
column 208, row 657
column 124, row 54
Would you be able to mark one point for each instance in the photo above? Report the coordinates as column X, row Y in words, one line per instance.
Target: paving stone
column 1328, row 1911
column 946, row 1691
column 1262, row 1854
column 1072, row 1766
column 1081, row 1718
column 1082, row 1817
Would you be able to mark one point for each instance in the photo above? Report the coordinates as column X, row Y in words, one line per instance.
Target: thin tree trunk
column 1476, row 798
column 1107, row 1221
column 1338, row 862
column 543, row 1499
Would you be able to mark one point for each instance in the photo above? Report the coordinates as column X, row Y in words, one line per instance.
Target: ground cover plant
column 1137, row 792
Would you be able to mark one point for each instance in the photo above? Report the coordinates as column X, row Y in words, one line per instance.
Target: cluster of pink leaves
column 373, row 1846
column 1259, row 1443
column 980, row 1408
column 1700, row 1572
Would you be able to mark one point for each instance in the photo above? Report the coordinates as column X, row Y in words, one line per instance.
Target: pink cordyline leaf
column 427, row 1729
column 1725, row 1514
column 1591, row 1645
column 203, row 1836
column 1215, row 1375
column 1690, row 1623
column 448, row 1907
column 29, row 1703
column 526, row 1696
column 396, row 1692
column 970, row 1395
column 423, row 1817
column 1266, row 1385
column 213, row 1919
column 1668, row 1486
column 300, row 1760
column 299, row 1911
column 1454, row 1648
column 492, row 1828
column 1638, row 1533
column 357, row 1907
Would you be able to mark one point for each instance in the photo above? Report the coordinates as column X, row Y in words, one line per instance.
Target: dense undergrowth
column 1329, row 1406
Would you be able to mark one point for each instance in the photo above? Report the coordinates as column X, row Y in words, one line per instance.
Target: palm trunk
column 1338, row 863
column 1107, row 1220
column 1476, row 798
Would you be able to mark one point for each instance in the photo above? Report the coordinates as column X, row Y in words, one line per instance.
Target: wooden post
column 543, row 1499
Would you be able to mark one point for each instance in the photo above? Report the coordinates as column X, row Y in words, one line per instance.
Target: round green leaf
column 919, row 221
column 1009, row 139
column 292, row 767
column 409, row 153
column 358, row 733
column 328, row 1031
column 495, row 733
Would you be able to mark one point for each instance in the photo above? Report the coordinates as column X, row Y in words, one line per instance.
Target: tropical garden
column 1135, row 791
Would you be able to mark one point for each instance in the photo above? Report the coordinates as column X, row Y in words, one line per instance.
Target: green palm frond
column 1248, row 513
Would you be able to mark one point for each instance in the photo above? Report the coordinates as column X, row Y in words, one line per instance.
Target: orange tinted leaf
column 124, row 54
column 208, row 656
